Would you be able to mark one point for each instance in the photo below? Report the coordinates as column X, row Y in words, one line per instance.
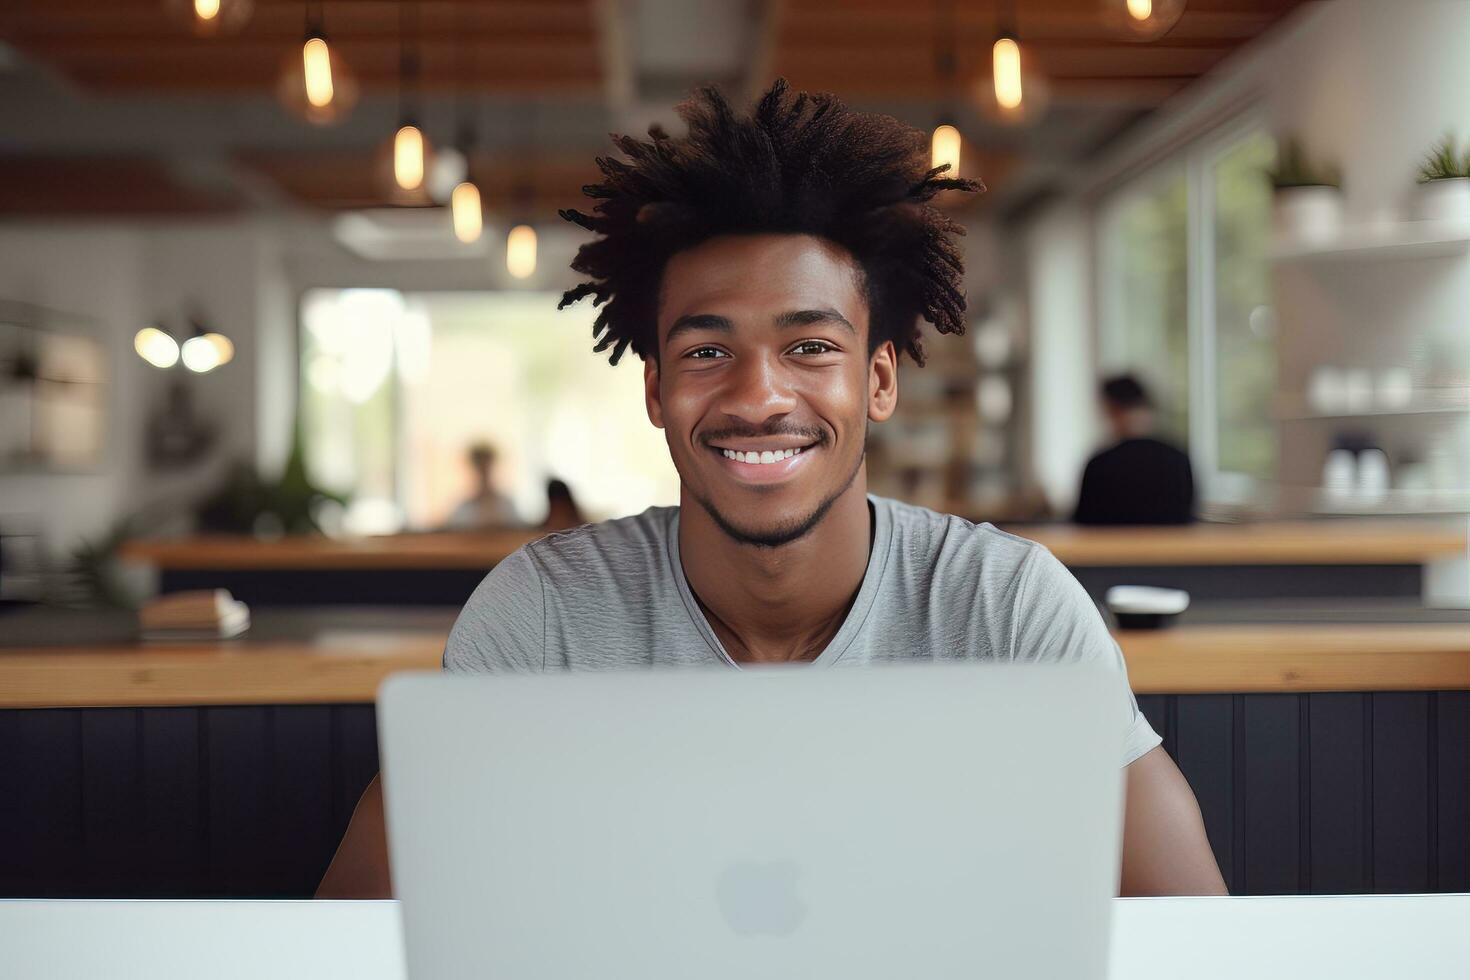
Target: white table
column 1420, row 936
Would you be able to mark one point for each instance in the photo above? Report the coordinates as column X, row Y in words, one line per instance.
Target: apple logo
column 760, row 897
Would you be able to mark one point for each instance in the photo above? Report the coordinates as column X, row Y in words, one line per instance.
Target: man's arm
column 360, row 867
column 1165, row 850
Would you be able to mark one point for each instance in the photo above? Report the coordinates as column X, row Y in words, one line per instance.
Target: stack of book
column 205, row 614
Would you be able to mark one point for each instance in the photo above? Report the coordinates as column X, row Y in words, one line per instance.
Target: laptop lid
column 923, row 820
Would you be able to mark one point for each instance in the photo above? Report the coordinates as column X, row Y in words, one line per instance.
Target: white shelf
column 1406, row 240
column 1376, row 412
column 1396, row 503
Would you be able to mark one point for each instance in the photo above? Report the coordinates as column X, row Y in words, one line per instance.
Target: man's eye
column 705, row 353
column 812, row 347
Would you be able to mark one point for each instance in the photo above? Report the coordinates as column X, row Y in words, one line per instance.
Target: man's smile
column 763, row 461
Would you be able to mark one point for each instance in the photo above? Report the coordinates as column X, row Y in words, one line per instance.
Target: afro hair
column 798, row 164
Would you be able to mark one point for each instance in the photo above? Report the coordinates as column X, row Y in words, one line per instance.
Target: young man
column 770, row 270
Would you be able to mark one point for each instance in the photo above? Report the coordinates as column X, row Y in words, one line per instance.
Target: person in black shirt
column 1140, row 480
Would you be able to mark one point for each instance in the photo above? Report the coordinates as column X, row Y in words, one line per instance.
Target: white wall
column 1058, row 255
column 123, row 277
column 1372, row 87
column 95, row 273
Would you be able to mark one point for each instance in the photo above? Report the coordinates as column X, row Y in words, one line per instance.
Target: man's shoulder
column 946, row 540
column 622, row 544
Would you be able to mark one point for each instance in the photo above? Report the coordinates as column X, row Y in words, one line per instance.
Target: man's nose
column 757, row 390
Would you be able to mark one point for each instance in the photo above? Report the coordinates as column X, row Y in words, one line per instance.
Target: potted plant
column 1307, row 207
column 1444, row 184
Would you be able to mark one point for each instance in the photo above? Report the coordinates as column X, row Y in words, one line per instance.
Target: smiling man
column 770, row 270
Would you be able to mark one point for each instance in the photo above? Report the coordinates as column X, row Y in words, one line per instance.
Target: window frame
column 1196, row 160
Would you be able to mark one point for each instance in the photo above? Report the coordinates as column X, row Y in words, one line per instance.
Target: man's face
column 763, row 384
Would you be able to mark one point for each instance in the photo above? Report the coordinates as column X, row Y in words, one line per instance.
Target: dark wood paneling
column 1336, row 817
column 41, row 803
column 301, row 830
column 333, row 586
column 112, row 788
column 1401, row 813
column 1271, row 794
column 1453, row 782
column 1328, row 793
column 175, row 816
column 239, row 751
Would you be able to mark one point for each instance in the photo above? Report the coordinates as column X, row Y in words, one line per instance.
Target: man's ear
column 883, row 382
column 651, row 399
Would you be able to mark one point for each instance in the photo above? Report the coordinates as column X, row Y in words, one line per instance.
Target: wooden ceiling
column 343, row 180
column 873, row 52
column 889, row 48
column 489, row 46
column 115, row 186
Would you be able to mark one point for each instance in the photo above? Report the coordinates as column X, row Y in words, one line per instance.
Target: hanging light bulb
column 944, row 148
column 224, row 347
column 520, row 251
column 468, row 220
column 1141, row 20
column 408, row 157
column 157, row 347
column 316, row 69
column 1005, row 58
column 199, row 355
column 315, row 84
column 206, row 349
column 1013, row 94
column 211, row 18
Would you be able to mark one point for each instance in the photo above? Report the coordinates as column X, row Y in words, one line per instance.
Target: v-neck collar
column 856, row 615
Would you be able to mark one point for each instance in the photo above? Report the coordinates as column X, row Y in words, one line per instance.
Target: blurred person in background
column 1140, row 479
column 487, row 507
column 561, row 508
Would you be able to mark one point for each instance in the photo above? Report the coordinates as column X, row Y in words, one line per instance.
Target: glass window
column 1146, row 245
column 1186, row 287
column 1245, row 353
column 397, row 387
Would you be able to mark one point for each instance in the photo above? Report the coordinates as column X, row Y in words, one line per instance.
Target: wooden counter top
column 346, row 665
column 1336, row 542
column 397, row 551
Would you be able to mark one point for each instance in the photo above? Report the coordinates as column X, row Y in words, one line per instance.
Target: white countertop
column 1419, row 936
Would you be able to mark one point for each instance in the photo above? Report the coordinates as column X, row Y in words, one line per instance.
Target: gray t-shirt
column 613, row 595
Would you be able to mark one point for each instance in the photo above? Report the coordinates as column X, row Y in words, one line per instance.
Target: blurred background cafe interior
column 279, row 339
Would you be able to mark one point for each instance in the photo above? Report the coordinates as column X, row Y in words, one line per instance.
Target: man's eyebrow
column 805, row 318
column 699, row 321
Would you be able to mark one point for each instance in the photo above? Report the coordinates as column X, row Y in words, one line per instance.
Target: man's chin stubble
column 783, row 534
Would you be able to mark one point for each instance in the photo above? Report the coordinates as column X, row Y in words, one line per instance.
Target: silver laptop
column 930, row 821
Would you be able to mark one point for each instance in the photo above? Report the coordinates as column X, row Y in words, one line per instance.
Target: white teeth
column 760, row 458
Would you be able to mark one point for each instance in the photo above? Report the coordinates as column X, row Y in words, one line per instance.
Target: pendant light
column 945, row 143
column 1012, row 93
column 520, row 243
column 315, row 84
column 409, row 151
column 211, row 18
column 520, row 252
column 206, row 350
column 1141, row 20
column 465, row 205
column 156, row 346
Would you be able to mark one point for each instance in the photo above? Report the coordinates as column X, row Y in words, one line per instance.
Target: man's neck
column 771, row 605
